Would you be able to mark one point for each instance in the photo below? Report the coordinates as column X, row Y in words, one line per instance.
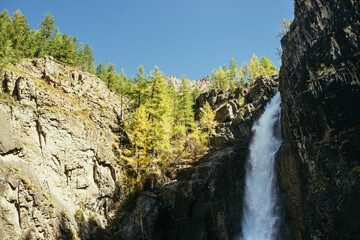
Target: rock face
column 234, row 117
column 60, row 178
column 205, row 201
column 202, row 84
column 59, row 131
column 320, row 89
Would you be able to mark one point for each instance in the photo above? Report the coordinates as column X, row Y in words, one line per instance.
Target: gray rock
column 58, row 128
column 202, row 84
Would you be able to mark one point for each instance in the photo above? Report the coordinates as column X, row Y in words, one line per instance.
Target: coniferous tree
column 68, row 52
column 158, row 115
column 7, row 53
column 245, row 72
column 141, row 87
column 140, row 129
column 19, row 35
column 57, row 45
column 234, row 74
column 285, row 27
column 195, row 93
column 110, row 75
column 267, row 67
column 185, row 105
column 254, row 68
column 101, row 71
column 219, row 78
column 207, row 123
column 44, row 36
column 86, row 58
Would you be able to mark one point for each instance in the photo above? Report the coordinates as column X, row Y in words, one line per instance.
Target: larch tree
column 233, row 71
column 20, row 34
column 68, row 49
column 101, row 71
column 267, row 67
column 254, row 68
column 141, row 87
column 219, row 79
column 56, row 45
column 195, row 93
column 207, row 123
column 158, row 115
column 7, row 53
column 44, row 36
column 86, row 58
column 110, row 75
column 140, row 129
column 185, row 105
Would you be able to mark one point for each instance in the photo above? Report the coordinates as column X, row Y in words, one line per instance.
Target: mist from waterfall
column 259, row 220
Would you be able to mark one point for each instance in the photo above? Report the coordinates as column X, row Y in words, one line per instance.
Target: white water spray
column 259, row 215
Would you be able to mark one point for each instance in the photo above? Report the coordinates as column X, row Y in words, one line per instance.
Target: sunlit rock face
column 58, row 137
column 320, row 89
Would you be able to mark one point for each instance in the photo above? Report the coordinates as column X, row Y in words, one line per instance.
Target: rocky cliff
column 60, row 177
column 236, row 110
column 59, row 136
column 320, row 89
column 205, row 201
column 202, row 84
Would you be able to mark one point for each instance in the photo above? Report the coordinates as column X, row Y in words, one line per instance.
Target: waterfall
column 259, row 214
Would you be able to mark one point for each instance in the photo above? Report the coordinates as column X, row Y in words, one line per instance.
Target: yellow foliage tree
column 140, row 137
column 207, row 123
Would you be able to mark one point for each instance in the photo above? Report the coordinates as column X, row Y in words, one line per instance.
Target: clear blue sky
column 190, row 37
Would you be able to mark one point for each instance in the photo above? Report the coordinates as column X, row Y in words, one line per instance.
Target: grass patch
column 5, row 97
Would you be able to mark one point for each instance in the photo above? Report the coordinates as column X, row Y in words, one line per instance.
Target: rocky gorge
column 61, row 134
column 61, row 177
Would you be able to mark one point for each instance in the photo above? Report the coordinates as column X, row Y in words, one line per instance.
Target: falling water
column 259, row 215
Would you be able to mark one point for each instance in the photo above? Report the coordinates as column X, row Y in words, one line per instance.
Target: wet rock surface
column 320, row 89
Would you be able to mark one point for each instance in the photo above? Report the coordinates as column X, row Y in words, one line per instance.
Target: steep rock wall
column 320, row 90
column 59, row 130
